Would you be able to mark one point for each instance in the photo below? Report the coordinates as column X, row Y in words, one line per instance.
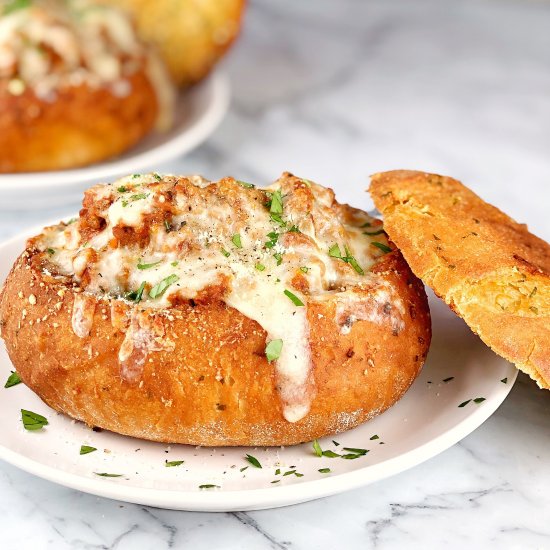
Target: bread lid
column 488, row 268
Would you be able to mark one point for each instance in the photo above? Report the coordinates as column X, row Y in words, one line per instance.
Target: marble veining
column 335, row 91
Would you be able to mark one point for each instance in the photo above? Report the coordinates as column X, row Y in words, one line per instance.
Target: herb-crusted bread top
column 490, row 269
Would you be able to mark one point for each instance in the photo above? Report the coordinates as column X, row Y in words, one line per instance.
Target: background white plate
column 198, row 112
column 425, row 422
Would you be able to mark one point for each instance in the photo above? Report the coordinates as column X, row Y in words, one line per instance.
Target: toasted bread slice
column 487, row 267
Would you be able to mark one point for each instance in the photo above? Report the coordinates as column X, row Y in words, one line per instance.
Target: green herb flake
column 146, row 266
column 336, row 443
column 33, row 421
column 138, row 196
column 276, row 481
column 105, row 474
column 352, row 261
column 236, row 240
column 356, row 451
column 448, row 379
column 294, row 229
column 464, row 403
column 330, row 454
column 273, row 350
column 304, row 269
column 174, row 264
column 374, row 437
column 160, row 288
column 86, row 449
column 289, row 473
column 124, row 204
column 156, row 176
column 167, row 226
column 276, row 205
column 260, row 267
column 352, row 456
column 136, row 295
column 278, row 257
column 134, row 176
column 273, row 238
column 324, row 470
column 50, row 251
column 245, row 184
column 244, row 468
column 383, row 247
column 278, row 471
column 372, row 233
column 122, row 189
column 505, row 380
column 225, row 252
column 317, row 448
column 13, row 380
column 479, row 400
column 293, row 298
column 334, row 251
column 209, row 486
column 253, row 460
column 297, row 474
column 172, row 463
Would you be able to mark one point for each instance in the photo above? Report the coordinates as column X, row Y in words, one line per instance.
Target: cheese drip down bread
column 490, row 269
column 216, row 313
column 76, row 85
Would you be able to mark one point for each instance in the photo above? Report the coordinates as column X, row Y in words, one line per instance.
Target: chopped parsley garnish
column 336, row 443
column 273, row 237
column 167, row 226
column 317, row 448
column 50, row 251
column 278, row 257
column 105, row 474
column 276, row 204
column 448, row 379
column 273, row 350
column 289, row 473
column 157, row 177
column 298, row 474
column 138, row 196
column 174, row 263
column 253, row 460
column 172, row 463
column 352, row 456
column 146, row 266
column 372, row 233
column 505, row 380
column 324, row 470
column 278, row 471
column 479, row 400
column 160, row 288
column 236, row 240
column 209, row 486
column 293, row 298
column 86, row 449
column 243, row 469
column 33, row 421
column 294, row 229
column 276, row 481
column 464, row 403
column 383, row 247
column 245, row 184
column 356, row 451
column 304, row 269
column 122, row 189
column 13, row 380
column 134, row 176
column 335, row 252
column 374, row 437
column 330, row 454
column 260, row 267
column 136, row 295
column 225, row 252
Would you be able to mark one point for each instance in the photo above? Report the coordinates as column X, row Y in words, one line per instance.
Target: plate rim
column 216, row 87
column 264, row 498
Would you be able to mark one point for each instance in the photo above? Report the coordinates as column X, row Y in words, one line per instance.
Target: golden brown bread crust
column 487, row 267
column 82, row 126
column 191, row 36
column 216, row 387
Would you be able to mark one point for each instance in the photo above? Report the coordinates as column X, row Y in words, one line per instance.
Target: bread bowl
column 488, row 268
column 76, row 85
column 191, row 36
column 181, row 310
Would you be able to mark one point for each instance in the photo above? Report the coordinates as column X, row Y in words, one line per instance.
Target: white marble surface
column 335, row 91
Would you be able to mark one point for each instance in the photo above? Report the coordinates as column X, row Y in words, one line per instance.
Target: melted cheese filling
column 201, row 236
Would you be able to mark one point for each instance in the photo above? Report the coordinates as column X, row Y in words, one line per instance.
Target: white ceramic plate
column 198, row 112
column 425, row 422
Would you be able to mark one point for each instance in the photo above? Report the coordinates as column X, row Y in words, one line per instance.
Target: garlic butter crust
column 180, row 310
